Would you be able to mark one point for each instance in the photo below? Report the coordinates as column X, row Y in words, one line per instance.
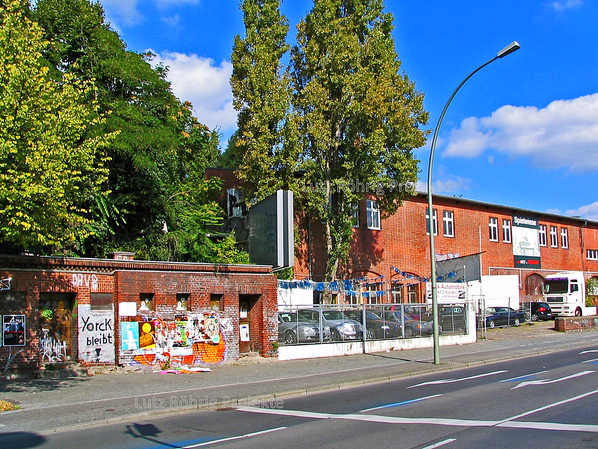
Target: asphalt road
column 542, row 401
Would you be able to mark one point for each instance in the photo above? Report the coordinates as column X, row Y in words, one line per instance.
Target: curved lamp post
column 514, row 46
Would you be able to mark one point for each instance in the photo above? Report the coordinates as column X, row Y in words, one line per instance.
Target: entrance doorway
column 249, row 323
column 57, row 327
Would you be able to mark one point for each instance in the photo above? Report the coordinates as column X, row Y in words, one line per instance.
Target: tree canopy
column 51, row 163
column 354, row 117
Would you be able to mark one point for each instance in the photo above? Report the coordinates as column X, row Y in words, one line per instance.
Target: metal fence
column 328, row 323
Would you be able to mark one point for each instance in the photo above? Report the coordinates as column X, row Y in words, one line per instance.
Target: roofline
column 511, row 208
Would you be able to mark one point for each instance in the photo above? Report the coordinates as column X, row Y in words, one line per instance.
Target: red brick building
column 393, row 253
column 157, row 314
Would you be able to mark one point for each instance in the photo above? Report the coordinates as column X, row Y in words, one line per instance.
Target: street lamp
column 514, row 46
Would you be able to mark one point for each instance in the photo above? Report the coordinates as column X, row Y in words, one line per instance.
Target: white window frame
column 448, row 223
column 493, row 229
column 592, row 254
column 434, row 221
column 373, row 215
column 554, row 243
column 564, row 238
column 506, row 230
column 542, row 235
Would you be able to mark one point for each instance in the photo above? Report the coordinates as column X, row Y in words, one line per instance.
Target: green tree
column 360, row 117
column 265, row 141
column 158, row 160
column 51, row 165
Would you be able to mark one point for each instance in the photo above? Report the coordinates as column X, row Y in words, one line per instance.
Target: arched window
column 533, row 285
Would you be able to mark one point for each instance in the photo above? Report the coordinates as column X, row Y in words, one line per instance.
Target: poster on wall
column 129, row 335
column 96, row 335
column 13, row 330
column 526, row 242
column 147, row 331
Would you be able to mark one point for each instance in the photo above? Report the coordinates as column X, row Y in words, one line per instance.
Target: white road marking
column 590, row 361
column 588, row 351
column 526, row 376
column 440, row 443
column 509, row 422
column 548, row 381
column 396, row 404
column 449, row 381
column 222, row 440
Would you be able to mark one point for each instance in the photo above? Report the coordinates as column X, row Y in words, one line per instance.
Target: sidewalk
column 47, row 405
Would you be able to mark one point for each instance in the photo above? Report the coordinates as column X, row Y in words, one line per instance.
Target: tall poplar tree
column 359, row 116
column 266, row 136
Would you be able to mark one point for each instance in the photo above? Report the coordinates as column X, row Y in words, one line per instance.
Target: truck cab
column 565, row 292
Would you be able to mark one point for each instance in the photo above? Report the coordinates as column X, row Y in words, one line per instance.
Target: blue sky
column 522, row 132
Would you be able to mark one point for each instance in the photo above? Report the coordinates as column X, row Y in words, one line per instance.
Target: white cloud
column 564, row 134
column 566, row 4
column 445, row 184
column 205, row 85
column 121, row 12
column 590, row 212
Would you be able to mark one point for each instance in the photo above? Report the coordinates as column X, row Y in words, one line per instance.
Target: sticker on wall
column 13, row 330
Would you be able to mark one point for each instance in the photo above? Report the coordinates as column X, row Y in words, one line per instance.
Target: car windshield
column 334, row 315
column 555, row 286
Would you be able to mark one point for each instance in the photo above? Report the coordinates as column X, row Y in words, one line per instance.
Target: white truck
column 565, row 292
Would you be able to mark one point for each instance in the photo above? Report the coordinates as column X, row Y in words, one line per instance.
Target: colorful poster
column 13, row 330
column 129, row 334
column 147, row 332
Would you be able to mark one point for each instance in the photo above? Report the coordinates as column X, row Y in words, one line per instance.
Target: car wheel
column 578, row 312
column 516, row 322
column 535, row 317
column 369, row 334
column 290, row 338
column 334, row 334
column 409, row 332
column 491, row 324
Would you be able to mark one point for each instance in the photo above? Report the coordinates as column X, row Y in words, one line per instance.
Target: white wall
column 497, row 291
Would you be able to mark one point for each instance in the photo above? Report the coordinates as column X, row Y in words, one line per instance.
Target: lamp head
column 513, row 46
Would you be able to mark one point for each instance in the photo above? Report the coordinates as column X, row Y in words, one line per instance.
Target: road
column 543, row 401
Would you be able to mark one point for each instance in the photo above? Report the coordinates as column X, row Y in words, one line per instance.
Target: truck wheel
column 578, row 312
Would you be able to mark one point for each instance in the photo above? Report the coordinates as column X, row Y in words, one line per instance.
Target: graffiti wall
column 187, row 340
column 56, row 313
column 96, row 335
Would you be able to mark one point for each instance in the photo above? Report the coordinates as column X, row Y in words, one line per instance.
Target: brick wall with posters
column 402, row 243
column 69, row 310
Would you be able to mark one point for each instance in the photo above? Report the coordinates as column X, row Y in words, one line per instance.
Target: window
column 592, row 254
column 146, row 301
column 434, row 221
column 373, row 214
column 493, row 227
column 564, row 238
column 373, row 290
column 448, row 223
column 506, row 231
column 182, row 302
column 553, row 237
column 355, row 216
column 215, row 302
column 100, row 301
column 542, row 235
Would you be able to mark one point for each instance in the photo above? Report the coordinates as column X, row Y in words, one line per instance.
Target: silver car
column 341, row 327
column 294, row 329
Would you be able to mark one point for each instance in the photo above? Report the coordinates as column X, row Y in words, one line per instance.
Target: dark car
column 413, row 328
column 451, row 318
column 376, row 327
column 503, row 316
column 535, row 311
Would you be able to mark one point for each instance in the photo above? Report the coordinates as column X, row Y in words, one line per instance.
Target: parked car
column 292, row 329
column 535, row 311
column 375, row 326
column 451, row 318
column 503, row 316
column 413, row 328
column 341, row 327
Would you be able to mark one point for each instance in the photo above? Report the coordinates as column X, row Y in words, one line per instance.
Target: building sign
column 447, row 292
column 526, row 242
column 13, row 330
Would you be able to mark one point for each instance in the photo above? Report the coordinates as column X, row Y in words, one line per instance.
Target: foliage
column 51, row 163
column 353, row 120
column 265, row 142
column 160, row 203
column 591, row 291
